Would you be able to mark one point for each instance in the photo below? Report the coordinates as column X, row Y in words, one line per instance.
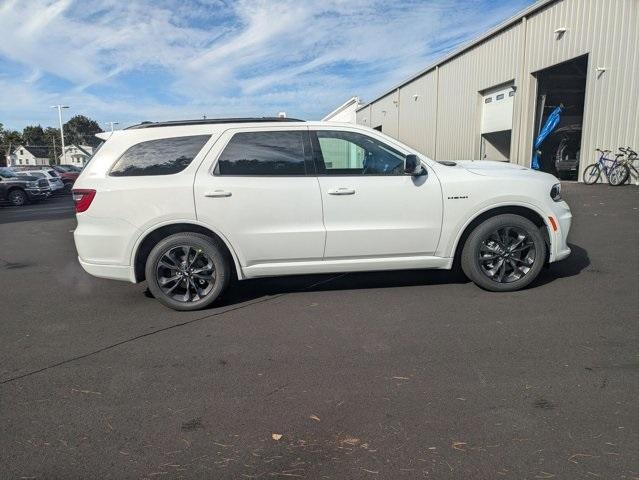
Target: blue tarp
column 549, row 126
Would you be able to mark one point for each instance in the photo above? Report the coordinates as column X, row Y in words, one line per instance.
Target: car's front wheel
column 17, row 197
column 187, row 271
column 504, row 253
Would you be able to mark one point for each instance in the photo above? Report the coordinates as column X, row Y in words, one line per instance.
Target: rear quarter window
column 164, row 156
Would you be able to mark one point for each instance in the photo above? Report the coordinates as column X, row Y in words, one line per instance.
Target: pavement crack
column 170, row 327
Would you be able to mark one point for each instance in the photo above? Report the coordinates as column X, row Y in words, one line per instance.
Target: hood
column 489, row 167
column 494, row 169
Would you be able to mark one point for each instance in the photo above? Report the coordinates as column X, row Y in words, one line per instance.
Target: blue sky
column 135, row 60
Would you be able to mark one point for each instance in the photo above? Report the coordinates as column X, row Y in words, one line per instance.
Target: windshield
column 6, row 172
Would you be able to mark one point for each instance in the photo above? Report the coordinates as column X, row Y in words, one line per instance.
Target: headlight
column 555, row 192
column 32, row 184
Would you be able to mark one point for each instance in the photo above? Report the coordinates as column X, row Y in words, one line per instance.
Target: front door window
column 349, row 153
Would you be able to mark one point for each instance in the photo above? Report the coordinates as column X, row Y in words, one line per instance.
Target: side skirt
column 346, row 265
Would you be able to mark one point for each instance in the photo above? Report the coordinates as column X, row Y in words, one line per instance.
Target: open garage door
column 561, row 85
column 497, row 123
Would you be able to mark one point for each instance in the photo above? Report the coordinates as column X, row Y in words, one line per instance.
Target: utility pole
column 55, row 152
column 64, row 151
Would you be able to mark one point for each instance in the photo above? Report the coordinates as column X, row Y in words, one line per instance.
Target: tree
column 9, row 139
column 52, row 140
column 81, row 131
column 33, row 135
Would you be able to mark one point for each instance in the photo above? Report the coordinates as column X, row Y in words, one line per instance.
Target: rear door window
column 265, row 154
column 165, row 156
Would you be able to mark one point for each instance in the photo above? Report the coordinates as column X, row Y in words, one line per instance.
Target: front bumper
column 559, row 244
column 38, row 193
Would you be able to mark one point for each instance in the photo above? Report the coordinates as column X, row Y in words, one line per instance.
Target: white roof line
column 344, row 105
column 466, row 46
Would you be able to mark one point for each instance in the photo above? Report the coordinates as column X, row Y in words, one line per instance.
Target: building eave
column 342, row 107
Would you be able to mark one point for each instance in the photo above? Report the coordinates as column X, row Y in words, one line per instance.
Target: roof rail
column 211, row 121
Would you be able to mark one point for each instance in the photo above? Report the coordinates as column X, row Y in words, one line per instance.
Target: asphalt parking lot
column 413, row 374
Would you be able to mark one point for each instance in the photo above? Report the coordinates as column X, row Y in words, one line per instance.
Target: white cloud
column 209, row 56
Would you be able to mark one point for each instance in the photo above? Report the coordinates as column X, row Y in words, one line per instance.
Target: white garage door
column 497, row 110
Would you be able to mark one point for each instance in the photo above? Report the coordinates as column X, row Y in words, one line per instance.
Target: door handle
column 218, row 194
column 342, row 191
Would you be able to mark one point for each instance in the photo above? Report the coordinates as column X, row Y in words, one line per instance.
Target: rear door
column 257, row 188
column 371, row 208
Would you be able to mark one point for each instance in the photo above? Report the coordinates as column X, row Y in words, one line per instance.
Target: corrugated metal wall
column 460, row 82
column 385, row 113
column 443, row 120
column 418, row 113
column 608, row 31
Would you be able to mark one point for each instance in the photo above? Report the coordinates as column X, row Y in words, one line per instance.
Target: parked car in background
column 21, row 189
column 49, row 174
column 568, row 151
column 247, row 198
column 68, row 175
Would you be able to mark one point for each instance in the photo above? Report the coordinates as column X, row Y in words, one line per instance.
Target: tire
column 484, row 253
column 17, row 198
column 591, row 174
column 618, row 175
column 68, row 187
column 183, row 288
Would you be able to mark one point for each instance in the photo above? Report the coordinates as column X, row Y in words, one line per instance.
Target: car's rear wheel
column 17, row 197
column 187, row 271
column 504, row 253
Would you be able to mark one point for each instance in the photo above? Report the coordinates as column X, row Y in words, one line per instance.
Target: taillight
column 82, row 199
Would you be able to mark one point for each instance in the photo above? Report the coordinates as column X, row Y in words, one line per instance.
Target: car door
column 257, row 187
column 371, row 207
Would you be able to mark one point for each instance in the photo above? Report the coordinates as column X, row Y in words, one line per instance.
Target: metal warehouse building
column 490, row 98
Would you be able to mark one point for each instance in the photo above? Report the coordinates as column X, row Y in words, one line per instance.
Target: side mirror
column 413, row 166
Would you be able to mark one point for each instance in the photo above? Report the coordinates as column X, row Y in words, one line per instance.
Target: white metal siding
column 606, row 30
column 417, row 118
column 385, row 113
column 364, row 116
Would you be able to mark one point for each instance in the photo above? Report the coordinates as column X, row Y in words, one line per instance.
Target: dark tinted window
column 350, row 153
column 263, row 153
column 159, row 157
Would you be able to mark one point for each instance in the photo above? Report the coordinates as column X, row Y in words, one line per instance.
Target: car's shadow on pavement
column 248, row 290
column 577, row 261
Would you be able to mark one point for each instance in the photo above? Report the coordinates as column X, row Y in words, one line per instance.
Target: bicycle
column 614, row 170
column 628, row 161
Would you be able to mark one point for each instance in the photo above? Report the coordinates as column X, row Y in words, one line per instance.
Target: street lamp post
column 64, row 151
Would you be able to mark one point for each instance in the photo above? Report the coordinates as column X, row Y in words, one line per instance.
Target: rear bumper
column 113, row 272
column 566, row 166
column 104, row 246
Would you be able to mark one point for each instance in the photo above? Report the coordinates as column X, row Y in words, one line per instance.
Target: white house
column 77, row 155
column 30, row 155
column 346, row 112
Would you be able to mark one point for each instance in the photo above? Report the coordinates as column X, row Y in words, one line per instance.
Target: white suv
column 189, row 205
